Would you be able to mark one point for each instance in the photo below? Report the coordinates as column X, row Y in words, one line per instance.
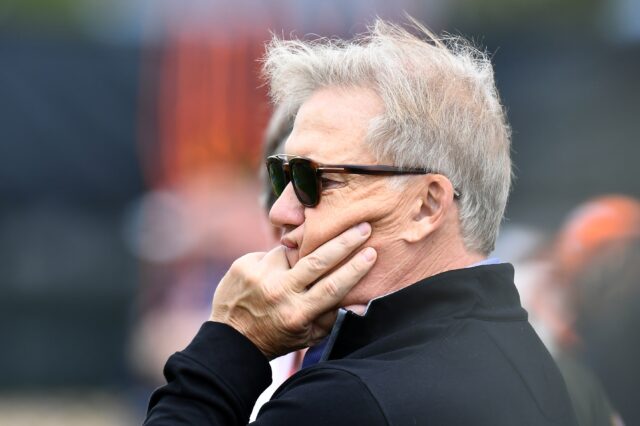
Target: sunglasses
column 306, row 175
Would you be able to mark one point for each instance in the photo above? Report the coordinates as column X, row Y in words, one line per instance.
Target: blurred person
column 607, row 318
column 587, row 232
column 589, row 399
column 390, row 196
column 585, row 243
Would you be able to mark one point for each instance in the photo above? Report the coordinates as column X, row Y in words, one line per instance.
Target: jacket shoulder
column 323, row 395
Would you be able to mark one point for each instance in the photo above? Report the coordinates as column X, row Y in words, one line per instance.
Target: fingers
column 327, row 293
column 324, row 258
column 265, row 300
column 276, row 258
column 242, row 265
column 248, row 260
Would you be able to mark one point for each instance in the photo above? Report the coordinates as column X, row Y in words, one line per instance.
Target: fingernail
column 369, row 254
column 364, row 228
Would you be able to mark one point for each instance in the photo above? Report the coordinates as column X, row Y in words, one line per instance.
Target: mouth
column 288, row 242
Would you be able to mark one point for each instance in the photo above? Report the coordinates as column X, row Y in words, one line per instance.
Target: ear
column 428, row 208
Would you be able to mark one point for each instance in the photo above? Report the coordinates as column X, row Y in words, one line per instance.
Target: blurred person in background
column 430, row 330
column 586, row 300
column 607, row 318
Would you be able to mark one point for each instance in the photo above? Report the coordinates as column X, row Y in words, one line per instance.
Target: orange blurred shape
column 207, row 104
column 593, row 226
column 210, row 104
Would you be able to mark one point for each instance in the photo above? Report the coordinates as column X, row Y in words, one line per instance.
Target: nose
column 287, row 211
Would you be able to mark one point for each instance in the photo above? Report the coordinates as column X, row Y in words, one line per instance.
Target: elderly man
column 390, row 196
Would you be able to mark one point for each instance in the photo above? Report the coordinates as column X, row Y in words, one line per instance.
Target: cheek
column 327, row 222
column 321, row 227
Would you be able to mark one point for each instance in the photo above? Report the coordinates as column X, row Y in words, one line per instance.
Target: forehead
column 332, row 124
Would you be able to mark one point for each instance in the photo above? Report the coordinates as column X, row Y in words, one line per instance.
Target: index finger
column 324, row 258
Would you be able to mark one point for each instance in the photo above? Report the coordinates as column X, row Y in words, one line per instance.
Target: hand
column 281, row 309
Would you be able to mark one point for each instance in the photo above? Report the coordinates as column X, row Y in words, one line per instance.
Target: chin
column 293, row 255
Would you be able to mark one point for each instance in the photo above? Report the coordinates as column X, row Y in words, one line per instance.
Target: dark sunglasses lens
column 277, row 176
column 304, row 182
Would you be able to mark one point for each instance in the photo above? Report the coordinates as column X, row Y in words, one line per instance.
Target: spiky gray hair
column 442, row 110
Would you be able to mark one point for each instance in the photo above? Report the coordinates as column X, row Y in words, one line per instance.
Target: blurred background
column 130, row 142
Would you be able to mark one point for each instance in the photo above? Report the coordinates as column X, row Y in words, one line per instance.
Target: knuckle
column 241, row 265
column 331, row 287
column 236, row 267
column 252, row 277
column 356, row 267
column 345, row 241
column 292, row 320
column 316, row 263
column 272, row 296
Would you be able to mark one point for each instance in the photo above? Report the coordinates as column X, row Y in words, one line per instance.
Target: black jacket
column 452, row 349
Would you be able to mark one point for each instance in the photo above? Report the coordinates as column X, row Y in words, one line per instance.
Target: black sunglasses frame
column 286, row 162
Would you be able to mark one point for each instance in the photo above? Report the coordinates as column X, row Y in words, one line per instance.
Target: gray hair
column 442, row 109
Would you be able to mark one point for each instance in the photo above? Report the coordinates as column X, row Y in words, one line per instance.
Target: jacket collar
column 484, row 292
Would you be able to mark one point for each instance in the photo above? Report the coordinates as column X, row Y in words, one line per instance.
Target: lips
column 292, row 236
column 288, row 242
column 291, row 249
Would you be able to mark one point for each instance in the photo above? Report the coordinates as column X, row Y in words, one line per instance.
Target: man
column 391, row 192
